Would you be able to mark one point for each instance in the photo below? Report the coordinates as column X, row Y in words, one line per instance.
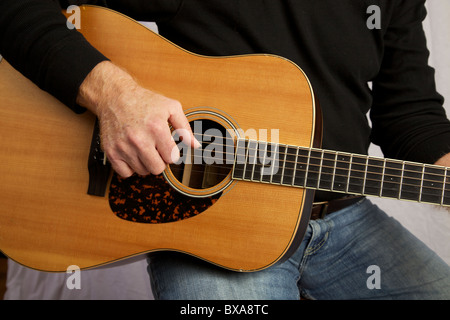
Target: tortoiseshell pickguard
column 151, row 199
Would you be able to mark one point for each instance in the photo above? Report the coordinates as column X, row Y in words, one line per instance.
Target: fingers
column 181, row 125
column 137, row 154
column 142, row 163
column 146, row 146
column 122, row 168
column 167, row 151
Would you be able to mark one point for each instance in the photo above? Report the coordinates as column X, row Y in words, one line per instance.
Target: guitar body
column 48, row 221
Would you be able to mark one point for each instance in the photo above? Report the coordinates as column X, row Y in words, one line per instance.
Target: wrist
column 105, row 83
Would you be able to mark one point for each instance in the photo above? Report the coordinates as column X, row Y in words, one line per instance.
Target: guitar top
column 50, row 219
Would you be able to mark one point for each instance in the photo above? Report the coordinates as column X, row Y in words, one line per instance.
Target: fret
column 421, row 182
column 432, row 184
column 326, row 175
column 273, row 163
column 357, row 175
column 313, row 168
column 252, row 153
column 240, row 159
column 341, row 172
column 365, row 174
column 260, row 164
column 280, row 173
column 392, row 179
column 382, row 177
column 308, row 159
column 269, row 161
column 443, row 187
column 349, row 172
column 446, row 189
column 282, row 154
column 401, row 180
column 301, row 167
column 334, row 170
column 412, row 175
column 320, row 169
column 289, row 166
column 374, row 176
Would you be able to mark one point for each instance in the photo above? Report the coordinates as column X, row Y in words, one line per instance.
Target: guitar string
column 365, row 190
column 378, row 173
column 317, row 180
column 343, row 154
column 351, row 163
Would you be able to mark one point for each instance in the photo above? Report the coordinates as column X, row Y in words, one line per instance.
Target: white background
column 430, row 223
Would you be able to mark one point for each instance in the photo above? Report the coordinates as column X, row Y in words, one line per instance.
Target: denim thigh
column 355, row 253
column 369, row 255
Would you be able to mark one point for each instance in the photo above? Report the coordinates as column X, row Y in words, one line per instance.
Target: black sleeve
column 408, row 119
column 35, row 40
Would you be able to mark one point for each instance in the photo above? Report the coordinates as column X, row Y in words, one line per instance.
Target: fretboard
column 342, row 172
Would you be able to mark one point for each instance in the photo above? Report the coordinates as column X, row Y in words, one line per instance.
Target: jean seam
column 311, row 250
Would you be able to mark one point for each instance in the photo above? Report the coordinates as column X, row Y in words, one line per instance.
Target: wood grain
column 48, row 222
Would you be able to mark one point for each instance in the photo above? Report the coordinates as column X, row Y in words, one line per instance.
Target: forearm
column 35, row 40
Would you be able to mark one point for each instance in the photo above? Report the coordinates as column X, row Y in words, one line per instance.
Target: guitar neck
column 341, row 172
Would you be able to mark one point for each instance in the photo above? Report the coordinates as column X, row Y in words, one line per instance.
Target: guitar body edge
column 49, row 222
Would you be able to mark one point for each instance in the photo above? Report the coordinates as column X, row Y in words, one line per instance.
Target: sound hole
column 209, row 165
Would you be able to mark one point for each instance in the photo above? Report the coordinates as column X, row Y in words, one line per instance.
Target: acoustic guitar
column 242, row 201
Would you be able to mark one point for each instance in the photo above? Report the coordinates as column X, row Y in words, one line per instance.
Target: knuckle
column 135, row 139
column 156, row 128
column 138, row 141
column 121, row 168
column 142, row 172
column 119, row 149
column 176, row 106
column 158, row 169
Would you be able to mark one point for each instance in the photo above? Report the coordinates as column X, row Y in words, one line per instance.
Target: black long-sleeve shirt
column 328, row 39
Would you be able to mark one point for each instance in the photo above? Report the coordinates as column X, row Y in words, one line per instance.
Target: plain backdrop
column 129, row 279
column 430, row 223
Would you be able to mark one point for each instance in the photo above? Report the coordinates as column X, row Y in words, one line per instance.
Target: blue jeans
column 355, row 253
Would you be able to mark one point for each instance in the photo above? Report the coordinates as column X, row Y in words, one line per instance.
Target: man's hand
column 444, row 161
column 134, row 121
